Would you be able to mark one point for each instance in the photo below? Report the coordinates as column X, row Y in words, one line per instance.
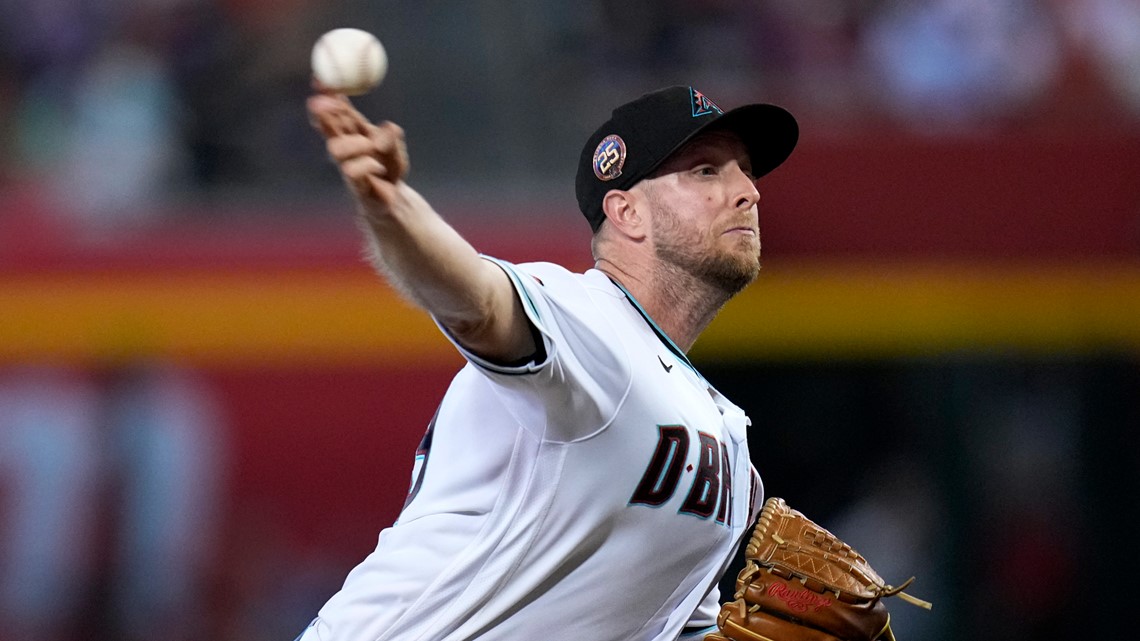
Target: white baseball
column 349, row 61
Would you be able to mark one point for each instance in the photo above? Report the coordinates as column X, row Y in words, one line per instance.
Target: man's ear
column 625, row 211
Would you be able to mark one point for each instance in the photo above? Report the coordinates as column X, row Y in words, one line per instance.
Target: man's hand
column 373, row 159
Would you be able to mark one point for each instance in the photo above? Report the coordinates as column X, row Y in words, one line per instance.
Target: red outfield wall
column 873, row 248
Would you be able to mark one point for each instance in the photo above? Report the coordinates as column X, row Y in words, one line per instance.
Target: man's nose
column 749, row 194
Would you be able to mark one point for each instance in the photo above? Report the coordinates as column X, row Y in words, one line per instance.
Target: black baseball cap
column 641, row 134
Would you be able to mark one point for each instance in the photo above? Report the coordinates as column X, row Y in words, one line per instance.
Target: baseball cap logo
column 702, row 104
column 609, row 157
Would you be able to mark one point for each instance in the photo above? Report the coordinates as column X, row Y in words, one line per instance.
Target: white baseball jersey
column 597, row 493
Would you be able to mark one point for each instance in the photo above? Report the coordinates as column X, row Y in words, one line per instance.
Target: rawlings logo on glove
column 801, row 583
column 798, row 600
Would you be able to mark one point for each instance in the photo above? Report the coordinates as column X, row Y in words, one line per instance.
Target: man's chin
column 732, row 278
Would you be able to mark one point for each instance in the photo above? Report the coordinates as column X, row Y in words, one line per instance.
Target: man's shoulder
column 555, row 276
column 588, row 295
column 537, row 274
column 549, row 269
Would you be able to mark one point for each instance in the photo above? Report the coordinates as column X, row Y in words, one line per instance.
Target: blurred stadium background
column 208, row 404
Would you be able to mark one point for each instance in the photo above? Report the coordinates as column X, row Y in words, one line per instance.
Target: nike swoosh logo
column 668, row 368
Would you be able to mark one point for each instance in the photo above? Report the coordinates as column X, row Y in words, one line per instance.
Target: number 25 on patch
column 609, row 157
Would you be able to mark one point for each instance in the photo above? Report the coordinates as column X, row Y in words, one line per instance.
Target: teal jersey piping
column 510, row 270
column 657, row 330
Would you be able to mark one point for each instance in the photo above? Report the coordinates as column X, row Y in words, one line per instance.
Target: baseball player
column 580, row 479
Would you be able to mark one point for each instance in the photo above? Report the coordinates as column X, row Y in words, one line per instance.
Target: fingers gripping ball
column 801, row 583
column 349, row 61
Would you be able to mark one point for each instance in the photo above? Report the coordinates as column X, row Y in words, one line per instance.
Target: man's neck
column 680, row 304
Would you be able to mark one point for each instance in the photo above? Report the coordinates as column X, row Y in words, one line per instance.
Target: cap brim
column 769, row 133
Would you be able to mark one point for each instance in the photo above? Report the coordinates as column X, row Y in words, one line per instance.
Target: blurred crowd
column 136, row 105
column 111, row 490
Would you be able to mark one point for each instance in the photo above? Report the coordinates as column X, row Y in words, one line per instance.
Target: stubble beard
column 685, row 251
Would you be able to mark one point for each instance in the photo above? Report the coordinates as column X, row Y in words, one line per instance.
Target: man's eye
column 706, row 170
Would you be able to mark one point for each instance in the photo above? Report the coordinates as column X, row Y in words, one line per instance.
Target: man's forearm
column 418, row 252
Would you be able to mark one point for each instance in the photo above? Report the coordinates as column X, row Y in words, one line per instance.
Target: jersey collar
column 680, row 355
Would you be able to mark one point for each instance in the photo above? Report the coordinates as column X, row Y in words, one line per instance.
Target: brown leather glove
column 801, row 583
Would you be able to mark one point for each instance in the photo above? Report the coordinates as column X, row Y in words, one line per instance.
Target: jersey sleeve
column 576, row 384
column 536, row 308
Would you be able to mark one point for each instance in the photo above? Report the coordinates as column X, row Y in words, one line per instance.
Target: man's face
column 704, row 211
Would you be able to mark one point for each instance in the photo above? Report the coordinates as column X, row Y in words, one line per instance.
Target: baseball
column 349, row 61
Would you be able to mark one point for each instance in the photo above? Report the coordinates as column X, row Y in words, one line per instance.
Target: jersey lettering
column 420, row 465
column 724, row 514
column 712, row 479
column 660, row 479
column 706, row 489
